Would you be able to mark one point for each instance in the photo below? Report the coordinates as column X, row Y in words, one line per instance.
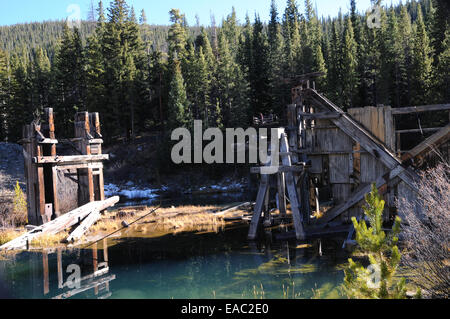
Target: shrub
column 426, row 232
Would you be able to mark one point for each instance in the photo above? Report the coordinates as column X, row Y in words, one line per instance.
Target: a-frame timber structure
column 50, row 176
column 333, row 157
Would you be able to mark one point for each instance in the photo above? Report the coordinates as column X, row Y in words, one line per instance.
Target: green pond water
column 186, row 265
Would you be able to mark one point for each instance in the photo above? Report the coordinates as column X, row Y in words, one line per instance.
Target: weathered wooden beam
column 84, row 226
column 429, row 144
column 319, row 116
column 70, row 159
column 425, row 130
column 279, row 169
column 281, row 187
column 292, row 191
column 67, row 166
column 59, row 224
column 420, row 109
column 262, row 192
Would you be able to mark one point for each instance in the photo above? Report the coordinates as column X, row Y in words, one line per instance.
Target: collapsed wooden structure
column 332, row 157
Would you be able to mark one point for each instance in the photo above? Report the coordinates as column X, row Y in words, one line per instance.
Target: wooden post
column 60, row 270
column 292, row 190
column 281, row 184
column 45, row 270
column 262, row 192
column 85, row 177
column 95, row 263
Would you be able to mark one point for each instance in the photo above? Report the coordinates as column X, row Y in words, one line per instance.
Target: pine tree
column 69, row 85
column 158, row 74
column 439, row 27
column 276, row 43
column 19, row 110
column 259, row 72
column 143, row 17
column 4, row 94
column 405, row 34
column 313, row 60
column 382, row 252
column 232, row 87
column 125, row 70
column 177, row 36
column 394, row 61
column 335, row 65
column 40, row 80
column 442, row 72
column 349, row 61
column 178, row 114
column 292, row 44
column 422, row 62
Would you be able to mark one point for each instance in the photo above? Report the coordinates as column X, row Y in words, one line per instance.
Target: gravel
column 11, row 165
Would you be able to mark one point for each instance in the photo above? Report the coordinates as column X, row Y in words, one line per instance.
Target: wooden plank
column 84, row 226
column 55, row 191
column 59, row 224
column 319, row 116
column 371, row 168
column 70, row 159
column 420, row 109
column 424, row 130
column 292, row 191
column 339, row 169
column 45, row 271
column 60, row 270
column 281, row 187
column 264, row 185
column 429, row 144
column 277, row 170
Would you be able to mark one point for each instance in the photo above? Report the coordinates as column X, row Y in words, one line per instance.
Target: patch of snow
column 130, row 192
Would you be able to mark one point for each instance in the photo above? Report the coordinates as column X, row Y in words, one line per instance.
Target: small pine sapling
column 377, row 281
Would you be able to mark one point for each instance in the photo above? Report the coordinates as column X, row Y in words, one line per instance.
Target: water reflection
column 64, row 273
column 186, row 265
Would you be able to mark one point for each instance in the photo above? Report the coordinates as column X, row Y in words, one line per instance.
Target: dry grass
column 13, row 209
column 48, row 241
column 180, row 219
column 9, row 234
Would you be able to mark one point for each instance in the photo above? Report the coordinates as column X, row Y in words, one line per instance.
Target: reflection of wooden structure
column 42, row 165
column 342, row 154
column 97, row 279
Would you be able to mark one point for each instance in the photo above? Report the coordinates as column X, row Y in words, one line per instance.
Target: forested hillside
column 142, row 77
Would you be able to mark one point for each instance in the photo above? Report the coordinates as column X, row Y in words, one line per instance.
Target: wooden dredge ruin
column 45, row 170
column 63, row 191
column 331, row 156
column 328, row 158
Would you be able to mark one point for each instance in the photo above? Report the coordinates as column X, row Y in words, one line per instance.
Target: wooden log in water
column 59, row 224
